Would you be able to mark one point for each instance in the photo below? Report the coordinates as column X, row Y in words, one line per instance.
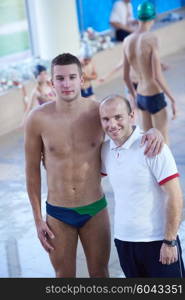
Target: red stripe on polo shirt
column 169, row 178
column 103, row 174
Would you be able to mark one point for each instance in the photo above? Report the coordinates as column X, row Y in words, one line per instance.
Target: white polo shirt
column 121, row 12
column 140, row 202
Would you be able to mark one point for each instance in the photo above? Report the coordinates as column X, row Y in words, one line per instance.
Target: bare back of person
column 138, row 48
column 141, row 53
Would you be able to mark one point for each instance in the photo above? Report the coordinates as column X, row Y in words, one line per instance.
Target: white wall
column 54, row 27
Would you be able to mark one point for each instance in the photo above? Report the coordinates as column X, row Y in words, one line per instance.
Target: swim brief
column 152, row 104
column 76, row 216
column 87, row 92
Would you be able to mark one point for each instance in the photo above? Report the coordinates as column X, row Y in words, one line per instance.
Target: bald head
column 116, row 118
column 117, row 99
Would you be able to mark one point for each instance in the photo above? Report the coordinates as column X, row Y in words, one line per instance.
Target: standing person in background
column 148, row 197
column 122, row 19
column 89, row 74
column 141, row 52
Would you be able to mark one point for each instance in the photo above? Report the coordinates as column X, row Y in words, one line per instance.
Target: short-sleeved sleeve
column 163, row 166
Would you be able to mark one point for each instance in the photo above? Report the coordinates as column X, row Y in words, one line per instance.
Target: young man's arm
column 154, row 142
column 127, row 78
column 166, row 174
column 168, row 254
column 33, row 150
column 117, row 68
column 158, row 76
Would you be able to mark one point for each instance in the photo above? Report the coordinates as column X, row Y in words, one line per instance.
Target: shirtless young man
column 70, row 133
column 89, row 74
column 141, row 52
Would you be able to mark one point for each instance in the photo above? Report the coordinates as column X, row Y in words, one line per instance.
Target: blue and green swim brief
column 76, row 216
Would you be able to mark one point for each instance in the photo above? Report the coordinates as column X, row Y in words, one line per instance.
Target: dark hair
column 116, row 96
column 38, row 69
column 66, row 59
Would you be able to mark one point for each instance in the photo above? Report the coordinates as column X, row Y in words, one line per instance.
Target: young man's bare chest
column 72, row 135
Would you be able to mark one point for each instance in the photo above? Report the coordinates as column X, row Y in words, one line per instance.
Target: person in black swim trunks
column 141, row 52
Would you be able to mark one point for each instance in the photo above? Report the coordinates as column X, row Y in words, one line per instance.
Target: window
column 14, row 36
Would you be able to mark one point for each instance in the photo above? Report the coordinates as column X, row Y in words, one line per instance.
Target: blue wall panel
column 96, row 13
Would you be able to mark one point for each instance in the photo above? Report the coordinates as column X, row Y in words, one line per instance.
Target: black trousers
column 141, row 259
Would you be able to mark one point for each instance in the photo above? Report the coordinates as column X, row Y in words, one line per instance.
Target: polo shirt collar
column 134, row 136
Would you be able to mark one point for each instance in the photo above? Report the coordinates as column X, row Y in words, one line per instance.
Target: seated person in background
column 89, row 74
column 43, row 91
column 122, row 19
